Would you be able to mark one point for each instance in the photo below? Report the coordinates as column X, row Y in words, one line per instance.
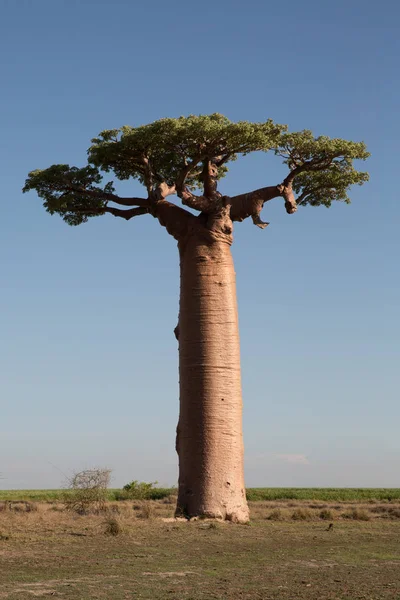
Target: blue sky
column 88, row 360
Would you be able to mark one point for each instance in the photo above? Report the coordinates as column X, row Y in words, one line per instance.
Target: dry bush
column 171, row 499
column 386, row 511
column 112, row 526
column 18, row 506
column 88, row 491
column 326, row 514
column 302, row 514
column 146, row 510
column 358, row 514
column 379, row 509
column 276, row 515
column 114, row 509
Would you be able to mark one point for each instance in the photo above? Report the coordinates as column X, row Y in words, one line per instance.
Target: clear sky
column 88, row 360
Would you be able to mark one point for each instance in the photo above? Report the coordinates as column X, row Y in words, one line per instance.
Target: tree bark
column 209, row 433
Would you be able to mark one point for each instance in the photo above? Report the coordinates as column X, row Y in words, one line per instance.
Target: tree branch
column 148, row 174
column 200, row 203
column 180, row 182
column 110, row 197
column 310, row 165
column 209, row 177
column 250, row 204
column 175, row 219
column 126, row 214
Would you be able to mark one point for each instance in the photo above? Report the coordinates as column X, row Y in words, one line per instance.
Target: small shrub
column 171, row 499
column 140, row 490
column 112, row 527
column 301, row 514
column 358, row 514
column 276, row 515
column 326, row 514
column 146, row 510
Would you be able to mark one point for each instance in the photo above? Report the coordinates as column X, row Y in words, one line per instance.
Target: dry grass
column 112, row 526
column 31, row 514
column 147, row 510
column 309, row 511
column 120, row 554
column 358, row 514
column 302, row 514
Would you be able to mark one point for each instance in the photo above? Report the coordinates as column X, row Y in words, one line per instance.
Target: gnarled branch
column 126, row 214
column 250, row 204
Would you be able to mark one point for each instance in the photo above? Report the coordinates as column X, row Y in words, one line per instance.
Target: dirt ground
column 46, row 551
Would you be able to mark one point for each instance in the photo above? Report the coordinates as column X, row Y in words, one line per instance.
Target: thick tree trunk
column 209, row 433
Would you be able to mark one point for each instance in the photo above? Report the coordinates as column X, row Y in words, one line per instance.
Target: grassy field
column 289, row 551
column 253, row 494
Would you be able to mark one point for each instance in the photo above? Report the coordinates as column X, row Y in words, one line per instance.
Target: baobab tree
column 186, row 158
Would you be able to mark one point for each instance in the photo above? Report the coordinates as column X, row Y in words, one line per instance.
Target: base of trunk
column 236, row 513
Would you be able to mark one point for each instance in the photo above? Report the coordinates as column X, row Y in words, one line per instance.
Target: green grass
column 325, row 494
column 253, row 494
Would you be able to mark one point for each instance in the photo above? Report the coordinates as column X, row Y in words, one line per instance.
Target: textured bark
column 209, row 433
column 251, row 204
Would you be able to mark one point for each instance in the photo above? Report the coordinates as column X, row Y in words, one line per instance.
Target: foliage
column 140, row 490
column 169, row 145
column 64, row 190
column 166, row 149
